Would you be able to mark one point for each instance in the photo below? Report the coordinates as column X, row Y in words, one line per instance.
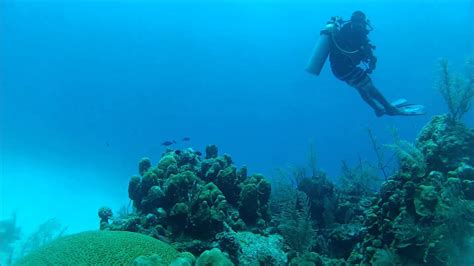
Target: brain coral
column 99, row 248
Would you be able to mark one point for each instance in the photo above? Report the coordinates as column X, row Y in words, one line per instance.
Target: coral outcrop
column 422, row 215
column 446, row 144
column 189, row 200
column 425, row 219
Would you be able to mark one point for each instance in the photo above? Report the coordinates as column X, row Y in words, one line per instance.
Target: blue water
column 88, row 88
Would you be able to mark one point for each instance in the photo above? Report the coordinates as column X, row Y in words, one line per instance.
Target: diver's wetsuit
column 350, row 48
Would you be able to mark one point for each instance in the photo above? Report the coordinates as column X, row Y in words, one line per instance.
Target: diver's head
column 359, row 21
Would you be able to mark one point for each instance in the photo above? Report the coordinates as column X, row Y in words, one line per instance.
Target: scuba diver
column 352, row 60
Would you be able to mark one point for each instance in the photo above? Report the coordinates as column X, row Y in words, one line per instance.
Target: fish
column 168, row 142
column 198, row 153
column 178, row 152
column 186, row 139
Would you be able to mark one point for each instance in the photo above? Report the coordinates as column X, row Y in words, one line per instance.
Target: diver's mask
column 359, row 22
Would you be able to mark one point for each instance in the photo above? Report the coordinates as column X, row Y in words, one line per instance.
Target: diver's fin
column 399, row 102
column 412, row 109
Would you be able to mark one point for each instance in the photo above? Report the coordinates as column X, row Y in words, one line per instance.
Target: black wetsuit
column 345, row 65
column 350, row 48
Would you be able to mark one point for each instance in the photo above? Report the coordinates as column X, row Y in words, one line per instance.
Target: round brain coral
column 99, row 248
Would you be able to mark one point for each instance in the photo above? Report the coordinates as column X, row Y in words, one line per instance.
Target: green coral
column 446, row 144
column 228, row 181
column 149, row 180
column 248, row 203
column 134, row 189
column 177, row 186
column 307, row 259
column 207, row 211
column 151, row 260
column 426, row 200
column 385, row 257
column 168, row 164
column 144, row 165
column 99, row 248
column 254, row 196
column 213, row 257
column 322, row 195
column 260, row 250
column 425, row 215
column 211, row 151
column 188, row 198
column 154, row 197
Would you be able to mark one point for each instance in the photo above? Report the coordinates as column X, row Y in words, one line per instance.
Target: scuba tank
column 323, row 47
column 326, row 40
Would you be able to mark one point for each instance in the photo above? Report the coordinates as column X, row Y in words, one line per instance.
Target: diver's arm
column 372, row 62
column 371, row 59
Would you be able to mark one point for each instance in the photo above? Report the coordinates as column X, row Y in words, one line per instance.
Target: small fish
column 198, row 153
column 186, row 139
column 178, row 152
column 107, row 144
column 167, row 143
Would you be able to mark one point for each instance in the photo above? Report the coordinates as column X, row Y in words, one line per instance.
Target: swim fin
column 411, row 109
column 399, row 102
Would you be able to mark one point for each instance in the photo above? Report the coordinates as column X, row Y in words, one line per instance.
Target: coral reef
column 257, row 249
column 213, row 257
column 189, row 200
column 100, row 248
column 446, row 144
column 316, row 215
column 425, row 217
column 295, row 223
column 423, row 214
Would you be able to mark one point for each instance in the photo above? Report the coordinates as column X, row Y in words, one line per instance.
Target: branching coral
column 457, row 90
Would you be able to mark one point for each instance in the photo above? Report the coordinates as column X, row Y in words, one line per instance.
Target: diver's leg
column 358, row 79
column 375, row 94
column 379, row 111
